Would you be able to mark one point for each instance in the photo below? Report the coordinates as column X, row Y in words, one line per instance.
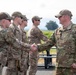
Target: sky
column 47, row 9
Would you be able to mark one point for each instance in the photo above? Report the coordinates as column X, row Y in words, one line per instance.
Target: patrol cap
column 17, row 14
column 64, row 12
column 24, row 18
column 36, row 18
column 4, row 15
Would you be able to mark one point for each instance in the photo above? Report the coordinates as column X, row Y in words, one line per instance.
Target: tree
column 51, row 25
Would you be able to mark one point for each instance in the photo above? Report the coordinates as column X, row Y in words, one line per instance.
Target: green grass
column 48, row 33
column 53, row 51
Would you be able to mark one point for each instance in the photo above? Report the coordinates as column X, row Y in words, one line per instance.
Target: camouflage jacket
column 65, row 41
column 25, row 40
column 16, row 53
column 3, row 49
column 35, row 35
column 16, row 31
column 7, row 39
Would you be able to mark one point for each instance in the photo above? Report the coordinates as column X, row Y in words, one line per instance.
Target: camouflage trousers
column 24, row 66
column 33, row 61
column 65, row 71
column 0, row 69
column 13, row 67
column 3, row 60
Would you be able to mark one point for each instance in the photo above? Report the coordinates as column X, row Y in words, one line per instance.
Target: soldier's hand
column 74, row 65
column 33, row 47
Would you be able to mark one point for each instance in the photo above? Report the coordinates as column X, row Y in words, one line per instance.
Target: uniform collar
column 69, row 26
column 1, row 28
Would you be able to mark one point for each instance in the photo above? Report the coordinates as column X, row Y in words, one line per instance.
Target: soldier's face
column 19, row 20
column 24, row 23
column 7, row 22
column 37, row 22
column 62, row 19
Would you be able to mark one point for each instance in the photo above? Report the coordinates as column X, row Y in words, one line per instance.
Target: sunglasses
column 37, row 20
column 24, row 20
column 8, row 19
column 60, row 16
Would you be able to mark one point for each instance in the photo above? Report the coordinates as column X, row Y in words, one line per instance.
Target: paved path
column 43, row 71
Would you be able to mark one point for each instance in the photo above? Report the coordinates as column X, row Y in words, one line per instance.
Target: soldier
column 15, row 62
column 24, row 55
column 35, row 35
column 64, row 38
column 5, row 21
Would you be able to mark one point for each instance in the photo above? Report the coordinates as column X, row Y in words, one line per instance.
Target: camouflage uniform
column 7, row 40
column 15, row 62
column 2, row 59
column 3, row 52
column 1, row 28
column 35, row 35
column 65, row 41
column 16, row 54
column 24, row 55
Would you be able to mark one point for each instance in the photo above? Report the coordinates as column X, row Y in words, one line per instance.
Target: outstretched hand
column 74, row 65
column 33, row 47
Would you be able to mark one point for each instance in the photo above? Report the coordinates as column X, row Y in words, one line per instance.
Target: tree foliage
column 51, row 25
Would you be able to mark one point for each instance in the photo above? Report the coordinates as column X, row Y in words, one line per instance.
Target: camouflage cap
column 24, row 18
column 64, row 12
column 36, row 18
column 4, row 15
column 17, row 14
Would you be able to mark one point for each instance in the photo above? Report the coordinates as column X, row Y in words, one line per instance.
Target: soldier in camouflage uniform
column 35, row 35
column 64, row 38
column 15, row 62
column 24, row 55
column 5, row 21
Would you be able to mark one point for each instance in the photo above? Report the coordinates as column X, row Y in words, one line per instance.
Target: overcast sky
column 43, row 8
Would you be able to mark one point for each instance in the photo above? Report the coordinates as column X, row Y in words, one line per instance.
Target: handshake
column 34, row 47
